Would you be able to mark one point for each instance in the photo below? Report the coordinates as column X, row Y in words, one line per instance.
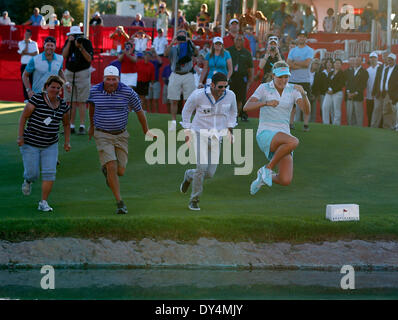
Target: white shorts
column 178, row 84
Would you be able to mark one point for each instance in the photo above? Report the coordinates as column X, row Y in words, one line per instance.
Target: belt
column 111, row 132
column 181, row 73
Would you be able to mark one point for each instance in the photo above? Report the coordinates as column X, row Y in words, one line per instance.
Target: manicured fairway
column 332, row 165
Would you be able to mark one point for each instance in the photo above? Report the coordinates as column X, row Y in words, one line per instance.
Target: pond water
column 196, row 284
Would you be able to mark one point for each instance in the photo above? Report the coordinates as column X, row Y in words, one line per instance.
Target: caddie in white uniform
column 216, row 112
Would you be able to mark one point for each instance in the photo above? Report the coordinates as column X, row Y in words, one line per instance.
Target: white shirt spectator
column 140, row 44
column 212, row 118
column 5, row 21
column 371, row 80
column 160, row 44
column 328, row 24
column 32, row 47
column 162, row 21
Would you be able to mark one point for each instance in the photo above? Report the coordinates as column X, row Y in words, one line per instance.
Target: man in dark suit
column 382, row 112
column 357, row 80
column 393, row 87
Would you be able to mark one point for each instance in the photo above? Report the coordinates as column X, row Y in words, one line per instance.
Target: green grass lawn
column 331, row 165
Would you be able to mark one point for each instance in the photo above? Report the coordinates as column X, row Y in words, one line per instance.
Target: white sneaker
column 26, row 188
column 173, row 125
column 43, row 206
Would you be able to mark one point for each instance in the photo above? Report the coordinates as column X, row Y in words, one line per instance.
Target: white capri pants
column 332, row 104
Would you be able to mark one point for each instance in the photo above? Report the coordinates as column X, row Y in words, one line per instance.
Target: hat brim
column 282, row 73
column 73, row 33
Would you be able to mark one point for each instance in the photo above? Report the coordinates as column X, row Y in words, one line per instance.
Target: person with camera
column 272, row 56
column 128, row 69
column 181, row 81
column 162, row 21
column 78, row 54
column 140, row 42
column 119, row 37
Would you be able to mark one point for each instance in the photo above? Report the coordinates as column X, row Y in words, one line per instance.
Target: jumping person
column 275, row 99
column 215, row 117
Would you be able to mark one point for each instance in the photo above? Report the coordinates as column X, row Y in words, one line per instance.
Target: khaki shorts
column 180, row 84
column 112, row 147
column 81, row 90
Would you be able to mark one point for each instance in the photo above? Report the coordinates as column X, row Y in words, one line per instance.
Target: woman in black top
column 272, row 56
column 38, row 142
column 334, row 94
column 320, row 84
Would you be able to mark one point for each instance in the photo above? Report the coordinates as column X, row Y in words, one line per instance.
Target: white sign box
column 342, row 212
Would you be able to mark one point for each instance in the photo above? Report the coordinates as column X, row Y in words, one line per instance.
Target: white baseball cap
column 111, row 71
column 74, row 30
column 373, row 54
column 392, row 56
column 218, row 39
column 273, row 39
column 233, row 20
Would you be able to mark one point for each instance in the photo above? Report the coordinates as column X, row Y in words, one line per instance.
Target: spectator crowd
column 141, row 59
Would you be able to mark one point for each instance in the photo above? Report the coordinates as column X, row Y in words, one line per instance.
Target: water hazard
column 196, row 284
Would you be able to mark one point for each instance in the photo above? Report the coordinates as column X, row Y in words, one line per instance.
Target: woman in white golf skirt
column 275, row 99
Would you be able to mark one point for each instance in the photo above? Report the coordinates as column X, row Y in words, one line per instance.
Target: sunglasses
column 218, row 43
column 222, row 87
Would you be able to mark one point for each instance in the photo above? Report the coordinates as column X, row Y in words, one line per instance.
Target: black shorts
column 142, row 88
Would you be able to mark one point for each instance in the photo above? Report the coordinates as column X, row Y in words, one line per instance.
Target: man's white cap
column 373, row 54
column 233, row 20
column 218, row 39
column 111, row 71
column 74, row 30
column 392, row 56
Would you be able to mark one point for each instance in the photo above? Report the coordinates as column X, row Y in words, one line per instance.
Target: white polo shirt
column 212, row 118
column 42, row 69
column 160, row 44
column 140, row 44
column 276, row 118
column 32, row 47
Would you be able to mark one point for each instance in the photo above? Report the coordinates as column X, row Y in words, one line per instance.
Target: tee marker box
column 342, row 212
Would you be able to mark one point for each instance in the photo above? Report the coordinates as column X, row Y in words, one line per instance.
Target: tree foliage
column 192, row 7
column 20, row 10
column 104, row 6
